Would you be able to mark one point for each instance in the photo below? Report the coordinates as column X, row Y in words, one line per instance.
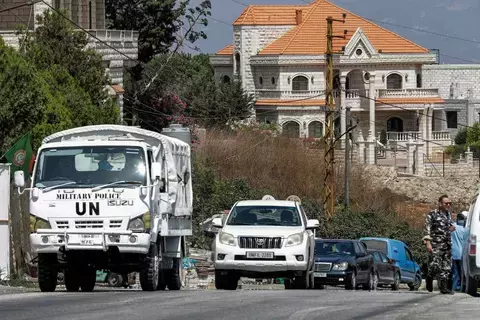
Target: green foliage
column 191, row 77
column 383, row 137
column 158, row 22
column 56, row 43
column 473, row 134
column 455, row 150
column 461, row 137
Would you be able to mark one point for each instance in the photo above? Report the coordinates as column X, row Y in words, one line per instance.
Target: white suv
column 265, row 239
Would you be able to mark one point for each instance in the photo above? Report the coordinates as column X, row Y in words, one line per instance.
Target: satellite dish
column 294, row 198
column 268, row 197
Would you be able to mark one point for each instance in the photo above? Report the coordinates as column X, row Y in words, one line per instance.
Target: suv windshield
column 264, row 216
column 328, row 248
column 78, row 167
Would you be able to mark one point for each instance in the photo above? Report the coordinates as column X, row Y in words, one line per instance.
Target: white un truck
column 111, row 197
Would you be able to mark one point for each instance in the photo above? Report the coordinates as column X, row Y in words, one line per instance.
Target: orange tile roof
column 309, row 37
column 269, row 15
column 407, row 100
column 228, row 50
column 294, row 103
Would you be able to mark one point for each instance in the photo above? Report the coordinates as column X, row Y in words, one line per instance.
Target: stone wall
column 453, row 81
column 10, row 20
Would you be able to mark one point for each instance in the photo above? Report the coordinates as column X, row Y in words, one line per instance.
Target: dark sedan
column 343, row 262
column 387, row 273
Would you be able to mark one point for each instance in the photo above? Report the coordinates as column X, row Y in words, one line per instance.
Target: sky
column 455, row 18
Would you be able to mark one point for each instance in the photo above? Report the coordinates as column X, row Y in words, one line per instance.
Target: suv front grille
column 260, row 242
column 322, row 266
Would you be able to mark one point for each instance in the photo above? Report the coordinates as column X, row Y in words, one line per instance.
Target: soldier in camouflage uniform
column 437, row 238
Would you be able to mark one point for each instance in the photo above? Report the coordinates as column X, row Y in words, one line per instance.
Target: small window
column 359, row 52
column 394, row 81
column 260, row 80
column 273, row 80
column 452, row 119
column 408, row 254
column 419, row 80
column 300, row 83
column 366, row 76
column 226, row 79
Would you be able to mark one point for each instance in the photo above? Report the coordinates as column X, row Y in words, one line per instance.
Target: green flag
column 20, row 155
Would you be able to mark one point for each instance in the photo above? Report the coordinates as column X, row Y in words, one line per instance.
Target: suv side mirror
column 217, row 222
column 313, row 224
column 361, row 254
column 19, row 179
column 156, row 171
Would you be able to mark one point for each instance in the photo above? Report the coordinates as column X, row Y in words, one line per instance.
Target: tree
column 191, row 77
column 74, row 70
column 157, row 21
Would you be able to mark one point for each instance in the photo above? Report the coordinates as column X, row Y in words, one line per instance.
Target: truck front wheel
column 88, row 279
column 72, row 280
column 150, row 273
column 174, row 279
column 47, row 272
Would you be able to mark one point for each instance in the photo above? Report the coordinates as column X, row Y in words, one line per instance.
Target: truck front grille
column 88, row 224
column 260, row 242
column 62, row 224
column 322, row 266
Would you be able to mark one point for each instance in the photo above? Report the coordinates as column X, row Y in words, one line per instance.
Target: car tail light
column 472, row 245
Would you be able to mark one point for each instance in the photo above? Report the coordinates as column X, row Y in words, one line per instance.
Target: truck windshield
column 264, row 216
column 90, row 166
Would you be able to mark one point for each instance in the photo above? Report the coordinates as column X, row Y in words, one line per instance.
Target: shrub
column 461, row 137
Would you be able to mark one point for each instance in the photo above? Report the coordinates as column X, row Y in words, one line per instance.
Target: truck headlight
column 140, row 224
column 226, row 238
column 37, row 223
column 340, row 266
column 294, row 240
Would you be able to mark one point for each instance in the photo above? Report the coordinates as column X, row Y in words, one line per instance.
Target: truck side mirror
column 313, row 224
column 217, row 222
column 19, row 179
column 156, row 171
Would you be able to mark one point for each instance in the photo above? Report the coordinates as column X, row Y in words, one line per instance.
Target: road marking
column 300, row 315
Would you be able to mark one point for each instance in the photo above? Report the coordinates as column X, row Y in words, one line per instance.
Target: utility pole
column 329, row 181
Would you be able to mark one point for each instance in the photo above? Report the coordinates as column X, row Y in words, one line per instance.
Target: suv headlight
column 340, row 266
column 294, row 240
column 37, row 223
column 226, row 238
column 140, row 224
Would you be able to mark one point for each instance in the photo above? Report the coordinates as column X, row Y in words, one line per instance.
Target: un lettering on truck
column 114, row 198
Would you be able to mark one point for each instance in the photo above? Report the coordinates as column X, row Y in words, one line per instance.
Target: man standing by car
column 457, row 242
column 438, row 240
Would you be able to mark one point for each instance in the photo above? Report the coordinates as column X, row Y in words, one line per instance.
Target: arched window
column 395, row 124
column 291, row 129
column 419, row 80
column 300, row 83
column 226, row 79
column 315, row 129
column 237, row 63
column 394, row 81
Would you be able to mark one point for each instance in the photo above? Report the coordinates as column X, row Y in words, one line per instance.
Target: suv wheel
column 225, row 280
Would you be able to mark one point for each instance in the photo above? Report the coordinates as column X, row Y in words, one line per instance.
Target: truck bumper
column 235, row 258
column 51, row 240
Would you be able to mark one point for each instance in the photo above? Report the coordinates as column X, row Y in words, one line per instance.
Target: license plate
column 319, row 275
column 88, row 239
column 260, row 255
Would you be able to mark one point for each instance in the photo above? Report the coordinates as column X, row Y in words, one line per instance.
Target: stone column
column 371, row 149
column 371, row 94
column 422, row 123
column 410, row 149
column 469, row 156
column 429, row 119
column 419, row 165
column 343, row 110
column 361, row 148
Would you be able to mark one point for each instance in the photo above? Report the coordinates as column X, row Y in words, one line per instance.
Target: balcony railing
column 288, row 95
column 407, row 93
column 416, row 135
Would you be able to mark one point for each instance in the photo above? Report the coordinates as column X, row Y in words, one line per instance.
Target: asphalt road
column 240, row 304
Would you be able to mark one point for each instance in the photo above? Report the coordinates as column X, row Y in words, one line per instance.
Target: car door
column 310, row 233
column 379, row 267
column 388, row 268
column 409, row 264
column 362, row 261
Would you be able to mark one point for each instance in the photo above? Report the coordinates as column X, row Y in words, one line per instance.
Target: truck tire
column 115, row 279
column 72, row 280
column 47, row 272
column 471, row 286
column 88, row 279
column 151, row 270
column 174, row 281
